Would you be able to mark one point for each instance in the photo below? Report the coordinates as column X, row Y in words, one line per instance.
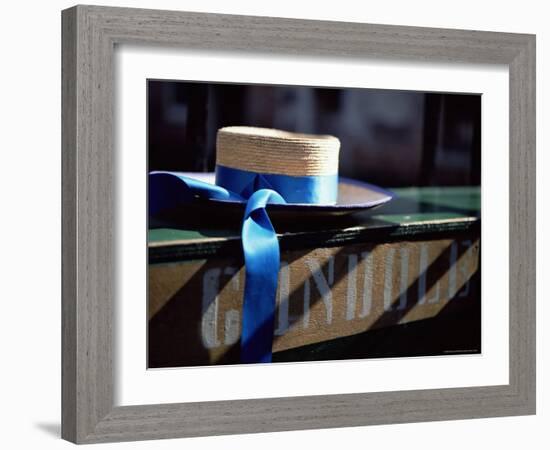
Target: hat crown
column 271, row 151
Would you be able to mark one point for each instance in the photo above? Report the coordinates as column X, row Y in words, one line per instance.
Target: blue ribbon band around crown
column 319, row 189
column 259, row 240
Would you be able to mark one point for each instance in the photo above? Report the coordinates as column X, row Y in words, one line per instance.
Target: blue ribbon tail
column 262, row 259
column 169, row 190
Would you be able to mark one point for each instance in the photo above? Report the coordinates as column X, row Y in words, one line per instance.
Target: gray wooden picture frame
column 89, row 36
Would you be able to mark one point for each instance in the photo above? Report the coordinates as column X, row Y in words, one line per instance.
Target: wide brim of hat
column 353, row 196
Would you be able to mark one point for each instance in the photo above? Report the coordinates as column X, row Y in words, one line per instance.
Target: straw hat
column 266, row 150
column 275, row 155
column 278, row 152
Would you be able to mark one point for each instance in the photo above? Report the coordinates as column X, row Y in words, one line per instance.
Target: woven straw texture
column 265, row 150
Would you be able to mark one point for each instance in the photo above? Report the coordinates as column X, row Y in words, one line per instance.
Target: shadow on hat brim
column 353, row 196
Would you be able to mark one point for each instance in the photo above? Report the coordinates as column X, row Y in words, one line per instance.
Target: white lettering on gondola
column 452, row 270
column 358, row 265
column 404, row 286
column 210, row 301
column 283, row 299
column 367, row 284
column 422, row 270
column 351, row 293
column 388, row 280
column 232, row 317
column 322, row 284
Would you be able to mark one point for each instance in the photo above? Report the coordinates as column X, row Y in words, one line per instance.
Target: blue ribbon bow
column 259, row 240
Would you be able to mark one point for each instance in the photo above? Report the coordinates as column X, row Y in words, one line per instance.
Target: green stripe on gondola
column 416, row 213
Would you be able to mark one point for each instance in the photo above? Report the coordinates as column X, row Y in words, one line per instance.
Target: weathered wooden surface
column 323, row 294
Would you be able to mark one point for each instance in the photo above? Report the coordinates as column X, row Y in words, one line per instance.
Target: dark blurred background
column 388, row 137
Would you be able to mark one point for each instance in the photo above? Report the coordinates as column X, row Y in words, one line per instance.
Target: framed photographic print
column 278, row 224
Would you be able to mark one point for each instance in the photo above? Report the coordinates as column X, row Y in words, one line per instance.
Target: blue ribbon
column 261, row 257
column 259, row 240
column 169, row 190
column 320, row 189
